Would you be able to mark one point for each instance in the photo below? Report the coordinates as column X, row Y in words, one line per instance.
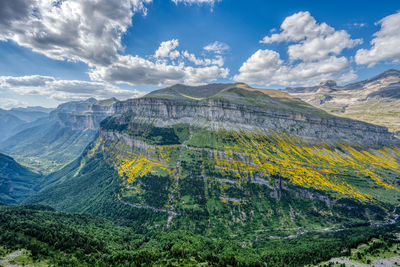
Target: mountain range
column 51, row 141
column 14, row 120
column 234, row 158
column 16, row 182
column 376, row 100
column 272, row 176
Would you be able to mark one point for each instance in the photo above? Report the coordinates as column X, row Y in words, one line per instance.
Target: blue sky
column 54, row 53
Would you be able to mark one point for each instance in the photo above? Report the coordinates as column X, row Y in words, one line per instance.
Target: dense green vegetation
column 184, row 194
column 47, row 146
column 174, row 135
column 93, row 190
column 90, row 185
column 69, row 239
column 16, row 181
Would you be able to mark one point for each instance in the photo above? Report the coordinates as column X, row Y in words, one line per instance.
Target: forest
column 71, row 239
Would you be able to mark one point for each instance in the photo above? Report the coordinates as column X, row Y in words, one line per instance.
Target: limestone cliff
column 376, row 100
column 241, row 109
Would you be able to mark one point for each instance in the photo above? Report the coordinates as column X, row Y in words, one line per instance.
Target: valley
column 276, row 180
column 48, row 143
column 199, row 133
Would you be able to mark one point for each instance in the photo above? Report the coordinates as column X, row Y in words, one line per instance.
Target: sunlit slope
column 367, row 175
column 238, row 191
column 242, row 163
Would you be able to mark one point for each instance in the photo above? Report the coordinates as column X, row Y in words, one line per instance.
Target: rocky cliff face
column 49, row 143
column 222, row 114
column 84, row 115
column 376, row 100
column 234, row 158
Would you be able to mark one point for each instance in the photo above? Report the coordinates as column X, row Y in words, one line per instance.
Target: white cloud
column 8, row 103
column 89, row 31
column 315, row 41
column 313, row 55
column 265, row 67
column 359, row 24
column 167, row 49
column 322, row 47
column 135, row 70
column 168, row 66
column 191, row 2
column 386, row 43
column 63, row 90
column 218, row 60
column 217, row 47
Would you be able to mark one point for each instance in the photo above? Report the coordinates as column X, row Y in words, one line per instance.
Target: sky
column 53, row 51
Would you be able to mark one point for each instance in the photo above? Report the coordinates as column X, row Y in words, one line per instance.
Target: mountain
column 8, row 124
column 50, row 142
column 376, row 100
column 233, row 162
column 16, row 182
column 33, row 109
column 15, row 119
column 30, row 114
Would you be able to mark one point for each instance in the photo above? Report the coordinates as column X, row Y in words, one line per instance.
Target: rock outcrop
column 242, row 114
column 84, row 115
column 376, row 100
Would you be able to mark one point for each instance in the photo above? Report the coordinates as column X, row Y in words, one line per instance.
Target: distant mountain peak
column 354, row 100
column 391, row 72
column 91, row 100
column 328, row 83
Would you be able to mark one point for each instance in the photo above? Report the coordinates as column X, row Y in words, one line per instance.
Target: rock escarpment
column 243, row 114
column 233, row 159
column 84, row 115
column 49, row 143
column 376, row 100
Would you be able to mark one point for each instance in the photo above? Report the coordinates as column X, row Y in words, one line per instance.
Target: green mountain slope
column 30, row 114
column 8, row 124
column 16, row 181
column 14, row 120
column 46, row 237
column 49, row 143
column 243, row 164
column 47, row 146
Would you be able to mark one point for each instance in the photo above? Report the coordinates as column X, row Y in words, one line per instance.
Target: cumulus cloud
column 315, row 41
column 191, row 2
column 135, row 70
column 217, row 47
column 313, row 55
column 266, row 67
column 89, row 31
column 167, row 49
column 385, row 46
column 167, row 66
column 218, row 60
column 63, row 90
column 15, row 10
